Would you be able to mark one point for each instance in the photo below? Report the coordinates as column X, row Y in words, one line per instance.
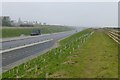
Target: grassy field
column 97, row 58
column 14, row 31
column 87, row 54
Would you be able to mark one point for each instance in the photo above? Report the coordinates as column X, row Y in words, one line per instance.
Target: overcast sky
column 65, row 13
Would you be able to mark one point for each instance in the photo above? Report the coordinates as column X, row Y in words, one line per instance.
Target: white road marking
column 8, row 50
column 27, row 37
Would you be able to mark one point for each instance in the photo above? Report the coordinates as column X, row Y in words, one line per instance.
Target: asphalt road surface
column 17, row 43
column 19, row 54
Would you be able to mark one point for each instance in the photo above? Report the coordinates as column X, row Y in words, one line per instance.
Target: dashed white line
column 8, row 50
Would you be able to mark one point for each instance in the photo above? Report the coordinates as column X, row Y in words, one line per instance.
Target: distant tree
column 6, row 21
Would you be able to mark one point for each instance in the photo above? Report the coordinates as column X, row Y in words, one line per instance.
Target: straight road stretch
column 17, row 50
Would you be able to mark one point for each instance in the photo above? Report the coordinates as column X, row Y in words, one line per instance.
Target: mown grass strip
column 50, row 61
column 14, row 31
column 97, row 58
column 82, row 55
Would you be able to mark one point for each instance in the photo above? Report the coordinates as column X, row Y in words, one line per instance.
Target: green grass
column 81, row 55
column 13, row 32
column 97, row 58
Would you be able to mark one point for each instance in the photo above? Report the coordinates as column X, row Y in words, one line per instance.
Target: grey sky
column 65, row 13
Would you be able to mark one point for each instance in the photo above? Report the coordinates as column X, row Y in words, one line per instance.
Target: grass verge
column 87, row 54
column 14, row 31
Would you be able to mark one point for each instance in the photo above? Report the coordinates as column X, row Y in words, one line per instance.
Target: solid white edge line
column 28, row 37
column 8, row 50
column 31, row 37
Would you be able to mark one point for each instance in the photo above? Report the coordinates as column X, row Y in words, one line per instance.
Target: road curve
column 8, row 58
column 22, row 42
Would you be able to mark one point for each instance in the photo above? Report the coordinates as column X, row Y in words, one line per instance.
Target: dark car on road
column 35, row 32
